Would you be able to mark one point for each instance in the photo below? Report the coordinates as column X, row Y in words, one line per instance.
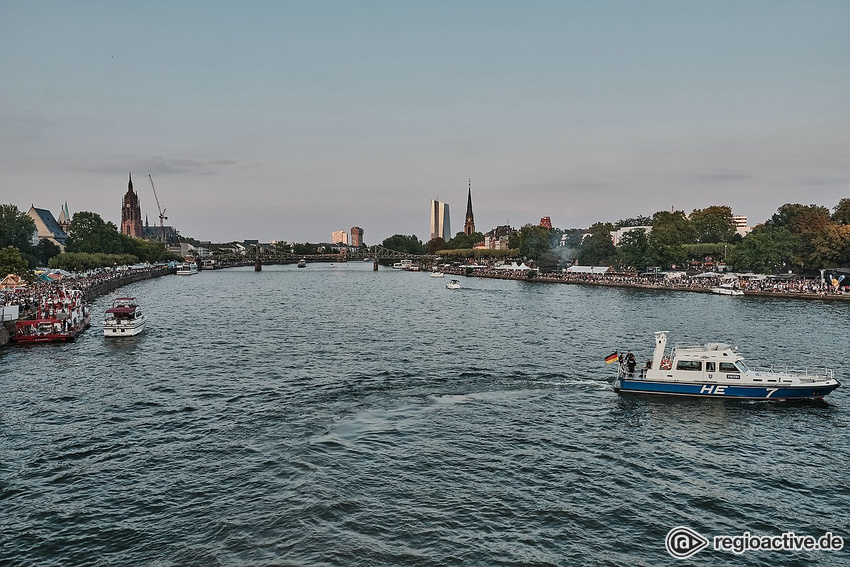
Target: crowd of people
column 41, row 293
column 678, row 280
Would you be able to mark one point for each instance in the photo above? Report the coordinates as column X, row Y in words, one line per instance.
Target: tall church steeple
column 131, row 213
column 469, row 224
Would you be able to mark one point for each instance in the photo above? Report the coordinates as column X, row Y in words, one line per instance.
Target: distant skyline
column 288, row 120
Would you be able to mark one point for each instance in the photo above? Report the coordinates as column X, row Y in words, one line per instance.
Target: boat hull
column 803, row 392
column 123, row 330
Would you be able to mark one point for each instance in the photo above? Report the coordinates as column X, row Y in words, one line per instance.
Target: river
column 338, row 416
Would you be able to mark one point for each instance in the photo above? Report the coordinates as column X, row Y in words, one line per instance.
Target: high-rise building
column 356, row 236
column 440, row 223
column 131, row 213
column 469, row 223
column 339, row 237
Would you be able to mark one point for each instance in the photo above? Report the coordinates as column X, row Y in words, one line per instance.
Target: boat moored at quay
column 124, row 318
column 187, row 269
column 717, row 370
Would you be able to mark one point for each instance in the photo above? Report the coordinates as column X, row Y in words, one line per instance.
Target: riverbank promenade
column 804, row 288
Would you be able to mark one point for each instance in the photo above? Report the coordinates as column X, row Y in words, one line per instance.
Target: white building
column 339, row 237
column 618, row 234
column 440, row 222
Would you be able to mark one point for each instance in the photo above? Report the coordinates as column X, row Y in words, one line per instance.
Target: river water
column 338, row 416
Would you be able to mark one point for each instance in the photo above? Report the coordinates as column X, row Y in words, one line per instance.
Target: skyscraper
column 131, row 213
column 356, row 236
column 469, row 224
column 339, row 237
column 440, row 225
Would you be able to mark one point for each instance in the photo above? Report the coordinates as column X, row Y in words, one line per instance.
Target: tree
column 713, row 224
column 89, row 233
column 16, row 228
column 436, row 243
column 639, row 220
column 44, row 251
column 462, row 240
column 842, row 212
column 597, row 248
column 767, row 249
column 670, row 230
column 633, row 249
column 548, row 262
column 405, row 244
column 533, row 241
column 807, row 224
column 13, row 262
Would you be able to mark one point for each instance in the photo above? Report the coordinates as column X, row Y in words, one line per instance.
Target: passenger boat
column 453, row 284
column 60, row 319
column 727, row 289
column 302, row 263
column 187, row 269
column 403, row 265
column 124, row 318
column 716, row 370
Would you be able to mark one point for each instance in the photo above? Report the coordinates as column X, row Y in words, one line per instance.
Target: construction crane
column 162, row 217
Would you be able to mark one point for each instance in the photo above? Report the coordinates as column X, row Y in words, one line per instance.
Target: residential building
column 356, row 236
column 616, row 235
column 339, row 237
column 440, row 222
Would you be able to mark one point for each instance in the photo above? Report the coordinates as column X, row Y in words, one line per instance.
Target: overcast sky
column 288, row 120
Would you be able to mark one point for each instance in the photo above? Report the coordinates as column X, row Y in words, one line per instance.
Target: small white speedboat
column 727, row 289
column 454, row 284
column 437, row 274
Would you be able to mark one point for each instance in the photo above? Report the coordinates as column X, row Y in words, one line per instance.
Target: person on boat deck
column 631, row 363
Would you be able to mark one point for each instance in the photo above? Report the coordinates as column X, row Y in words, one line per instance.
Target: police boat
column 716, row 370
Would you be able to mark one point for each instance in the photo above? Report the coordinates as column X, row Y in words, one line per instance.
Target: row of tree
column 98, row 241
column 799, row 238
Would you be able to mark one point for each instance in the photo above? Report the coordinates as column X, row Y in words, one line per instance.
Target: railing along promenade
column 795, row 289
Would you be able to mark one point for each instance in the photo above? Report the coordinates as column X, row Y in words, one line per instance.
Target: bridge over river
column 376, row 254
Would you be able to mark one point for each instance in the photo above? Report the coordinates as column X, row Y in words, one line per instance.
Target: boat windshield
column 742, row 367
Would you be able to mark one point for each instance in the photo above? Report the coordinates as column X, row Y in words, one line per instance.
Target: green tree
column 89, row 233
column 16, row 228
column 634, row 221
column 767, row 249
column 405, row 244
column 44, row 251
column 633, row 249
column 670, row 230
column 713, row 224
column 13, row 262
column 462, row 240
column 533, row 241
column 548, row 262
column 597, row 248
column 807, row 224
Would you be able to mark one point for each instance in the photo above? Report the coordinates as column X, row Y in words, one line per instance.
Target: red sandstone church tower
column 131, row 213
column 469, row 225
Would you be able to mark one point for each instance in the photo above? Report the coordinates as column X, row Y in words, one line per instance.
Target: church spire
column 469, row 225
column 130, row 185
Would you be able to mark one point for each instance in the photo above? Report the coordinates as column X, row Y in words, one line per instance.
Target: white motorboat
column 716, row 370
column 187, row 269
column 302, row 263
column 403, row 265
column 453, row 284
column 124, row 318
column 437, row 274
column 727, row 289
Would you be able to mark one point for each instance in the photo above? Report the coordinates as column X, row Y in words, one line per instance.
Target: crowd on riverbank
column 677, row 281
column 29, row 298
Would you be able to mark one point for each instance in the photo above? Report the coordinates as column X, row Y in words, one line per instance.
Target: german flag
column 612, row 357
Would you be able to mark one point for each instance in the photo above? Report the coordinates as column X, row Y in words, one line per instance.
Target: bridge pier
column 375, row 265
column 258, row 266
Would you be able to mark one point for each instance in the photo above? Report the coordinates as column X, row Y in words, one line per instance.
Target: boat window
column 688, row 365
column 743, row 367
column 709, row 366
column 728, row 367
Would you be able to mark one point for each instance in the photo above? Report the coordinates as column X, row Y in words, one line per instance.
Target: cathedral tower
column 131, row 213
column 469, row 224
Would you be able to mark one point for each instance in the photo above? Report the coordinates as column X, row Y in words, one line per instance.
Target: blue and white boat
column 716, row 370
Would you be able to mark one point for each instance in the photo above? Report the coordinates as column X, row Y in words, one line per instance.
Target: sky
column 287, row 120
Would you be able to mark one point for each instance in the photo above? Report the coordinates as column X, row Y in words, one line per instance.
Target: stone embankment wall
column 4, row 335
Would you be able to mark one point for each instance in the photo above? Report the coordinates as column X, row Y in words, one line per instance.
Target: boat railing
column 805, row 374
